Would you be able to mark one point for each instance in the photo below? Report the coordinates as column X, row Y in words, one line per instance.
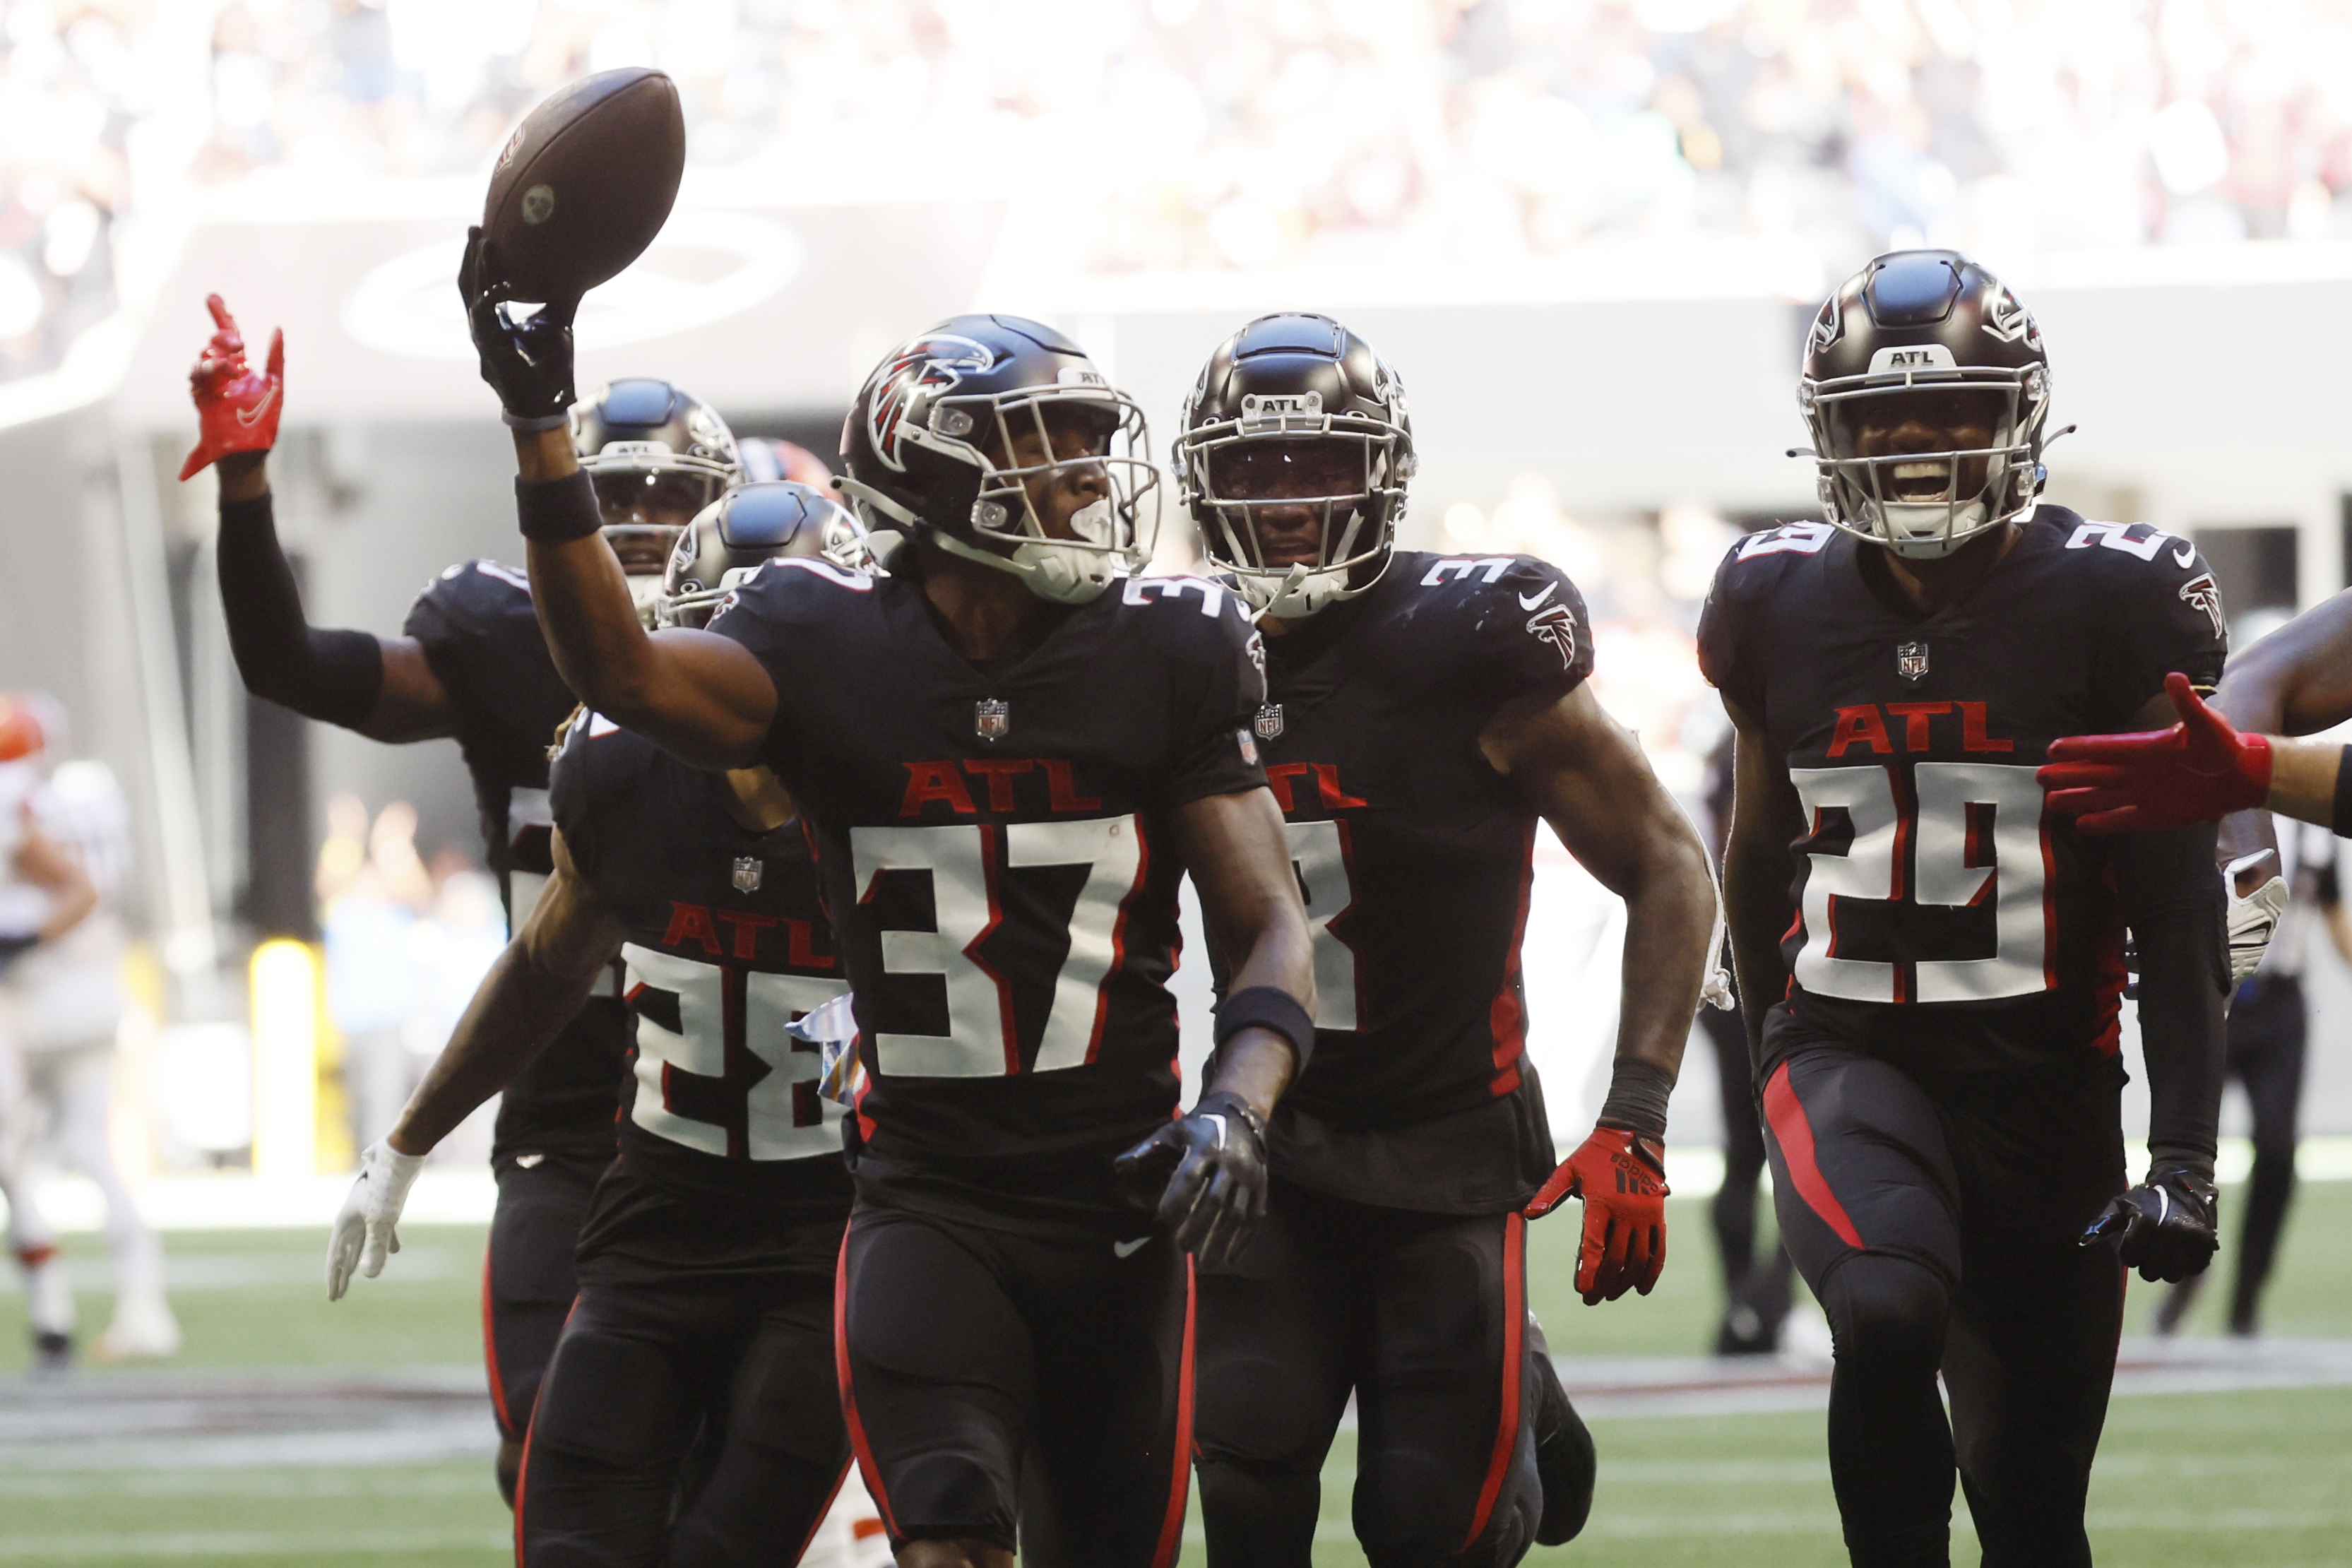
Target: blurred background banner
column 1589, row 234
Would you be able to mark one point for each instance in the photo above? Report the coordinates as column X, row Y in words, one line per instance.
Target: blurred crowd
column 1237, row 133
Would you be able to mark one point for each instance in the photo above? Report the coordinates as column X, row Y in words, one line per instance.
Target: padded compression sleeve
column 2173, row 899
column 334, row 676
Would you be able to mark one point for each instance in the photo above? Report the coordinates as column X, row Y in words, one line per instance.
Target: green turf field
column 2258, row 1480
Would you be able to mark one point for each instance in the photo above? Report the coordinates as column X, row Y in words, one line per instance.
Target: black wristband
column 2341, row 819
column 1638, row 1092
column 557, row 511
column 1267, row 1007
column 256, row 512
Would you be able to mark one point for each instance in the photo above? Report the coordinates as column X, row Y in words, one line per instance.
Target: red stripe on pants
column 1515, row 1323
column 857, row 1443
column 1179, row 1459
column 1787, row 1115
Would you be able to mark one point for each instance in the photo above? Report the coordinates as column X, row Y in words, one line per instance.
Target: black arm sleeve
column 329, row 675
column 2174, row 903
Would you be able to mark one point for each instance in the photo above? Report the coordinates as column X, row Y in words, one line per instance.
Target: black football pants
column 691, row 1423
column 1939, row 1224
column 1756, row 1295
column 999, row 1384
column 528, row 1275
column 1423, row 1317
column 2268, row 1026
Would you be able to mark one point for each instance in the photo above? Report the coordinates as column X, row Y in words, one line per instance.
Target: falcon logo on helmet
column 1926, row 388
column 931, row 364
column 994, row 439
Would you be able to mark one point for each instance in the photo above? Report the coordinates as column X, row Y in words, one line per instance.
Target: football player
column 66, row 1002
column 1006, row 752
column 706, row 1262
column 1424, row 713
column 473, row 665
column 44, row 896
column 1932, row 965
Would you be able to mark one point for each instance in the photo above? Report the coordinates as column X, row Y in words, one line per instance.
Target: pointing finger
column 219, row 307
column 277, row 366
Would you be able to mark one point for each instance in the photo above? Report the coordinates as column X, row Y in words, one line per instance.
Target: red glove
column 2200, row 770
column 1621, row 1177
column 238, row 409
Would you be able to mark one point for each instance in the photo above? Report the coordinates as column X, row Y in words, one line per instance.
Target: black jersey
column 728, row 944
column 479, row 633
column 1415, row 857
column 997, row 856
column 1945, row 921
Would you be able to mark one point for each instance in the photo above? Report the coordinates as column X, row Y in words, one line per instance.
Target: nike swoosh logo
column 1526, row 603
column 527, row 1160
column 2184, row 556
column 1130, row 1249
column 252, row 417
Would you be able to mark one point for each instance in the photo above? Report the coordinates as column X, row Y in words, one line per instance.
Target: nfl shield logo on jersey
column 1269, row 721
column 991, row 719
column 746, row 873
column 1911, row 660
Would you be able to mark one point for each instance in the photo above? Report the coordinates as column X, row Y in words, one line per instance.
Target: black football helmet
column 657, row 455
column 1292, row 378
column 772, row 519
column 1933, row 330
column 929, row 446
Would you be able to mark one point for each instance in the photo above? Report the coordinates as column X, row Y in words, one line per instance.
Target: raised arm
column 383, row 688
column 703, row 697
column 1238, row 853
column 532, row 989
column 1579, row 768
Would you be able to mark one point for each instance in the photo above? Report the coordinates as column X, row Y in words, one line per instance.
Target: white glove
column 370, row 1214
column 2253, row 919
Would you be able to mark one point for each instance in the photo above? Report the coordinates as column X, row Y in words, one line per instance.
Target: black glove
column 2163, row 1226
column 1209, row 1170
column 14, row 942
column 527, row 362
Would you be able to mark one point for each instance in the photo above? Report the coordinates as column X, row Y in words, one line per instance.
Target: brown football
column 585, row 182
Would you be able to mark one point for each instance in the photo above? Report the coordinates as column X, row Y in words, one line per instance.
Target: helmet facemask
column 1925, row 504
column 1022, row 445
column 1234, row 475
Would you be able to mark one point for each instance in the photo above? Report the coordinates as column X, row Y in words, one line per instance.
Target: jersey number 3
column 1964, row 835
column 967, row 863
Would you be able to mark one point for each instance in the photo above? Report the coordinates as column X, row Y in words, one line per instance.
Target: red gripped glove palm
column 2200, row 770
column 1621, row 1177
column 239, row 410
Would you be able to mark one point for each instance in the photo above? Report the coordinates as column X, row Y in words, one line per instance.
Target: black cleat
column 1565, row 1462
column 52, row 1355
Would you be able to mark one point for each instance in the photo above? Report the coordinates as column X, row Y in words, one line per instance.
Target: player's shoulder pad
column 2138, row 564
column 1486, row 608
column 475, row 597
column 1199, row 612
column 1756, row 560
column 596, row 758
column 800, row 589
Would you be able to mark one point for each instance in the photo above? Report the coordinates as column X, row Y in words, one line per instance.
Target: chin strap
column 1293, row 587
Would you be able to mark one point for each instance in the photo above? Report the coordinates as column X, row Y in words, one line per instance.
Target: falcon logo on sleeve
column 1556, row 624
column 2202, row 591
